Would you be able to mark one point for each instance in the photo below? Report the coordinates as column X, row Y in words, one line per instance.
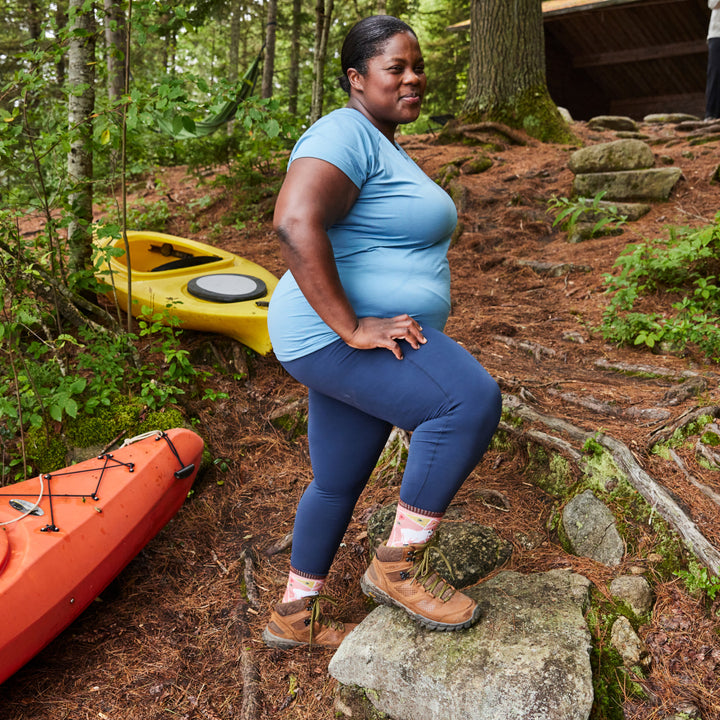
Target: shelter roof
column 627, row 57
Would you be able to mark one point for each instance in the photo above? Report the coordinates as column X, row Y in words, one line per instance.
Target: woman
column 358, row 319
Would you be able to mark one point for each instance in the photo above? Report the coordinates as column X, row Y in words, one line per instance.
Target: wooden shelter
column 625, row 57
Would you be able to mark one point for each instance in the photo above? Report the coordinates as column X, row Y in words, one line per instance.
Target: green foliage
column 151, row 215
column 683, row 268
column 698, row 580
column 258, row 155
column 572, row 211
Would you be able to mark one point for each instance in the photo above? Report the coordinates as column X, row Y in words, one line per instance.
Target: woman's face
column 390, row 92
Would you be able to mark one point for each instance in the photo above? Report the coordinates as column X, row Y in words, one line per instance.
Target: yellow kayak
column 205, row 287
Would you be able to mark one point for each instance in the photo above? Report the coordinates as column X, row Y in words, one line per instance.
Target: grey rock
column 591, row 530
column 635, row 591
column 625, row 640
column 612, row 156
column 650, row 184
column 659, row 118
column 526, row 659
column 565, row 114
column 586, row 230
column 612, row 122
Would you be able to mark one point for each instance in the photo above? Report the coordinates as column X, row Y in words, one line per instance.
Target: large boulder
column 528, row 658
column 612, row 156
column 651, row 184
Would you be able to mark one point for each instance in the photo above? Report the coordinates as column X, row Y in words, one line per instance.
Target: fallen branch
column 277, row 547
column 654, row 494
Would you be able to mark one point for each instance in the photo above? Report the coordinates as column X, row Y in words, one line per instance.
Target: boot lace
column 427, row 577
column 316, row 616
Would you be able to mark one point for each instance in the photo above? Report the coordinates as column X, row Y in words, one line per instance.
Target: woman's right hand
column 374, row 332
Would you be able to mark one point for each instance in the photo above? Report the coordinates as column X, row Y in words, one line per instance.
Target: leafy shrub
column 570, row 212
column 684, row 267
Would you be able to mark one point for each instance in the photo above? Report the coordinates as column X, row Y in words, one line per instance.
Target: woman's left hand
column 374, row 332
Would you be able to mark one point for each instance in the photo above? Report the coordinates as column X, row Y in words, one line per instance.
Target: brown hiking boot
column 401, row 576
column 301, row 622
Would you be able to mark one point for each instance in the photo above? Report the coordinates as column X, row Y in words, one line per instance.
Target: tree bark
column 269, row 64
column 506, row 78
column 81, row 105
column 294, row 70
column 115, row 48
column 61, row 22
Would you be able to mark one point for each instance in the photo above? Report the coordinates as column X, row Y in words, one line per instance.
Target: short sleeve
column 341, row 139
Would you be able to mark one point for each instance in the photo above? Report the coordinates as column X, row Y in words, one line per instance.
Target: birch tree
column 81, row 105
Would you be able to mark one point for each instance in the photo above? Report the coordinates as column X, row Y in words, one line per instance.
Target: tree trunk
column 506, row 78
column 233, row 50
column 61, row 22
column 269, row 64
column 323, row 18
column 81, row 105
column 34, row 20
column 115, row 48
column 294, row 70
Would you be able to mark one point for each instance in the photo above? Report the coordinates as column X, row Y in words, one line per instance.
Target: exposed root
column 654, row 494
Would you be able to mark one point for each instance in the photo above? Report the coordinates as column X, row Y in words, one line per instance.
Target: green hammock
column 177, row 127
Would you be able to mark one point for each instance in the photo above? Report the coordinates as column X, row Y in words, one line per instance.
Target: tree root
column 251, row 590
column 704, row 489
column 654, row 494
column 534, row 349
column 663, row 434
column 251, row 705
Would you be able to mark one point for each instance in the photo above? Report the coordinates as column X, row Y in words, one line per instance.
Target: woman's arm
column 314, row 196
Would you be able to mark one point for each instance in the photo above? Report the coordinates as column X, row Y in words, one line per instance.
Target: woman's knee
column 481, row 403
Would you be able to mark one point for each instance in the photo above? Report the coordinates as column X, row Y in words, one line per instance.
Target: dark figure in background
column 712, row 91
column 359, row 320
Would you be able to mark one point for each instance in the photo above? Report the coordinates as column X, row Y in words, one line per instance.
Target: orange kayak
column 66, row 535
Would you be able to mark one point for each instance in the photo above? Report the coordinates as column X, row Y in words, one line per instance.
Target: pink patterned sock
column 300, row 586
column 412, row 526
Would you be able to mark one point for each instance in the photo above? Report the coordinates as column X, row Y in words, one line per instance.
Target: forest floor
column 176, row 637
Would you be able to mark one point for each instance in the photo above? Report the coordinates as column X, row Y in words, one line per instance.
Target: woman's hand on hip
column 374, row 332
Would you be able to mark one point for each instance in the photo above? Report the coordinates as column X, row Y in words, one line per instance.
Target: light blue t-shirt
column 390, row 249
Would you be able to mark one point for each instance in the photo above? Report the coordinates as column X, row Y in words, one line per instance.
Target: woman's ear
column 355, row 78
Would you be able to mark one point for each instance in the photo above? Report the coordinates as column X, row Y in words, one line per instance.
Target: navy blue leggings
column 440, row 392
